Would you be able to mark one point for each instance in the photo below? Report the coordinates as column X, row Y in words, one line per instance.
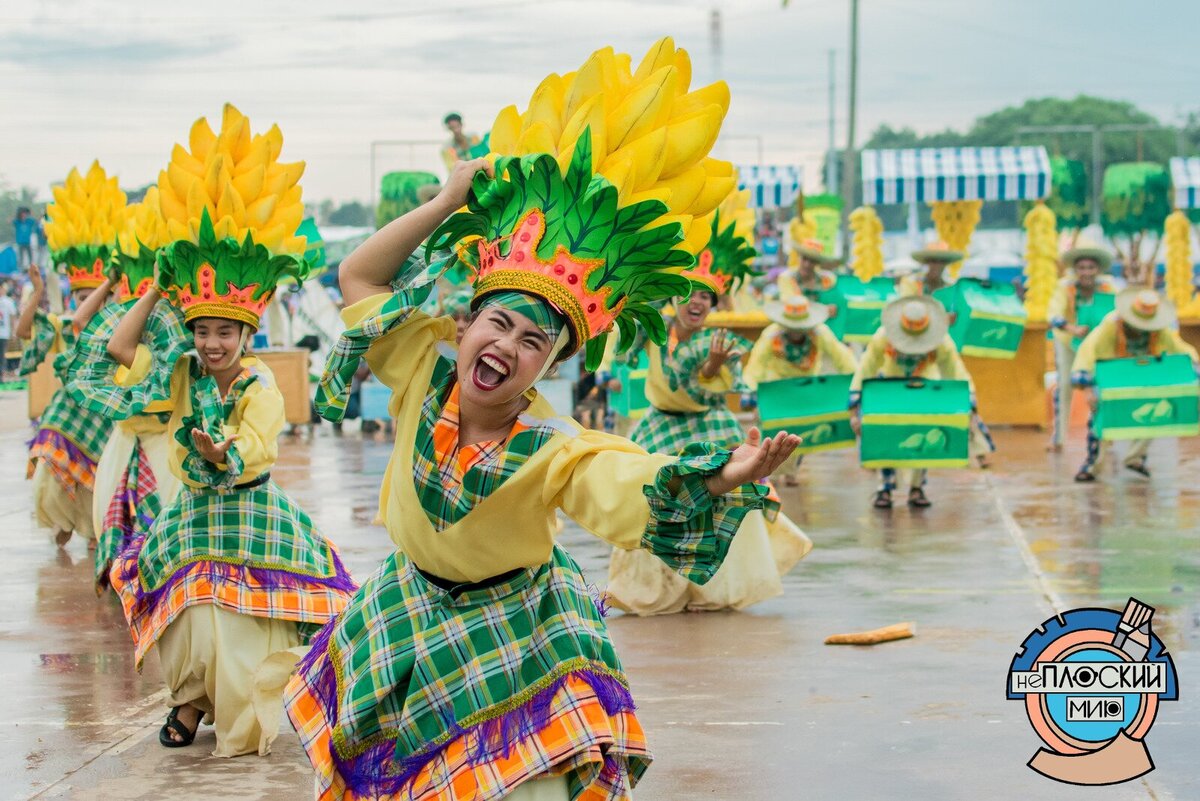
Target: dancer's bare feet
column 62, row 538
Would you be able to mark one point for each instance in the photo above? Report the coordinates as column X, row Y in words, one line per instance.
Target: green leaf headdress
column 602, row 197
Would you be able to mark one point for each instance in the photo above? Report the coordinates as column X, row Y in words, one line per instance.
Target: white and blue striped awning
column 955, row 173
column 772, row 186
column 1185, row 177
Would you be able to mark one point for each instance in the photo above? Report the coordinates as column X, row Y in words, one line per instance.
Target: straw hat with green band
column 1088, row 251
column 796, row 313
column 937, row 253
column 811, row 249
column 1145, row 309
column 915, row 325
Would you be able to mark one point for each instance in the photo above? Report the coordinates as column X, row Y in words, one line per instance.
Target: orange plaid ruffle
column 578, row 737
column 71, row 471
column 238, row 593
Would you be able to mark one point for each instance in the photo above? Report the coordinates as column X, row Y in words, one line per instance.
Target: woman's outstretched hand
column 754, row 459
column 211, row 451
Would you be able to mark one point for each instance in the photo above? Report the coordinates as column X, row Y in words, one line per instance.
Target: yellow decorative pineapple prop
column 650, row 135
column 238, row 179
column 955, row 221
column 867, row 245
column 1180, row 291
column 84, row 219
column 1041, row 260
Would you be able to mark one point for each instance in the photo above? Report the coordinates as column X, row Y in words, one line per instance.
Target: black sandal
column 883, row 499
column 173, row 726
column 1085, row 477
column 917, row 499
column 1138, row 466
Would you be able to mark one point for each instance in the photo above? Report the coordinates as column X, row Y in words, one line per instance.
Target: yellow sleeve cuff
column 135, row 373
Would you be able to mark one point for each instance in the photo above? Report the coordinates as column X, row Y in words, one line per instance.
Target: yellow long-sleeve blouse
column 256, row 419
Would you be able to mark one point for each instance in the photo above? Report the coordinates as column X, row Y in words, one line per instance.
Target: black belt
column 460, row 587
column 258, row 482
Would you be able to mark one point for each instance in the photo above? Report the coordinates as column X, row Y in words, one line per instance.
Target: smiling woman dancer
column 232, row 576
column 475, row 663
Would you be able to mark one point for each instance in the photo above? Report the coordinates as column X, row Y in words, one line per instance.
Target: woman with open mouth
column 475, row 662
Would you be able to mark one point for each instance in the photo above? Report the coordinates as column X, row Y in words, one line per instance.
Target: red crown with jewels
column 86, row 277
column 236, row 303
column 561, row 280
column 703, row 273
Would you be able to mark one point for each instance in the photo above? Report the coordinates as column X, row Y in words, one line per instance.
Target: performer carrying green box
column 913, row 343
column 1144, row 324
column 797, row 344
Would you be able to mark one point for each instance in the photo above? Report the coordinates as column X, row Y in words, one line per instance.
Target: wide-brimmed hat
column 938, row 252
column 1145, row 309
column 899, row 268
column 810, row 249
column 915, row 325
column 1087, row 250
column 796, row 313
column 831, row 262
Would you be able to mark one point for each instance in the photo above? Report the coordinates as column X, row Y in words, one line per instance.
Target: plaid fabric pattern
column 660, row 432
column 581, row 735
column 237, row 590
column 450, row 480
column 260, row 527
column 333, row 392
column 130, row 513
column 93, row 370
column 682, row 362
column 69, row 466
column 70, row 441
column 691, row 531
column 42, row 341
column 209, row 412
column 416, row 666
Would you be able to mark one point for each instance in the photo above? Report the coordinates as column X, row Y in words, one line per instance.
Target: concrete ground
column 737, row 705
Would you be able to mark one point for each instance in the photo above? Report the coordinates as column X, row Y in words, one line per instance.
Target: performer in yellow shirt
column 912, row 342
column 931, row 275
column 1086, row 278
column 796, row 344
column 809, row 278
column 1144, row 324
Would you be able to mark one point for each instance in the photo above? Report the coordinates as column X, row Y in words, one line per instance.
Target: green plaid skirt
column 670, row 432
column 259, row 528
column 417, row 664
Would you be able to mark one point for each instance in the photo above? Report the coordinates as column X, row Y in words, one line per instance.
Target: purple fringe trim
column 376, row 771
column 59, row 440
column 268, row 578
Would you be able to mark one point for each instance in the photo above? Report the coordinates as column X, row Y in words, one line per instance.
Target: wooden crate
column 42, row 386
column 290, row 367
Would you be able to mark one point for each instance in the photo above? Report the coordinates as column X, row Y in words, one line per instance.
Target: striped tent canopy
column 772, row 186
column 1185, row 177
column 955, row 173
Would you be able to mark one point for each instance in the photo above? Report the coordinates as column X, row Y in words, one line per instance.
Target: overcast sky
column 121, row 80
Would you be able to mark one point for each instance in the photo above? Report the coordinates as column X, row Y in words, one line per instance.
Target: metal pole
column 848, row 158
column 1097, row 174
column 831, row 153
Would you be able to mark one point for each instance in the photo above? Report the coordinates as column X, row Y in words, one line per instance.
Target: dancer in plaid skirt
column 475, row 663
column 687, row 384
column 81, row 232
column 232, row 577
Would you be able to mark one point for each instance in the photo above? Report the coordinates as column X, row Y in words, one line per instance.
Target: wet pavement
column 738, row 705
